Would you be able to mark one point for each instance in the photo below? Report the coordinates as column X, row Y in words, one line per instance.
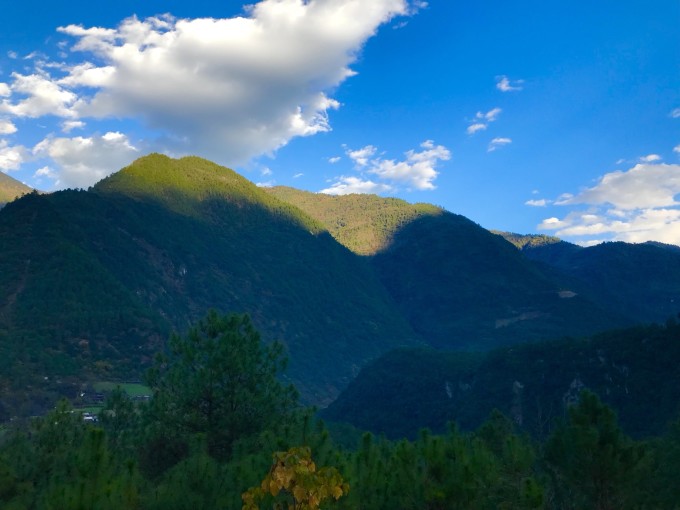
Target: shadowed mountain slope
column 464, row 287
column 640, row 281
column 636, row 371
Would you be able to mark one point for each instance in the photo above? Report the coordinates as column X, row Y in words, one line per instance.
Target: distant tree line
column 222, row 432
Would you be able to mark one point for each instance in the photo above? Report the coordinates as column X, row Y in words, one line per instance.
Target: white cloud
column 349, row 185
column 11, row 158
column 416, row 172
column 48, row 173
column 643, row 186
column 477, row 126
column 227, row 89
column 69, row 125
column 497, row 143
column 85, row 160
column 677, row 149
column 489, row 116
column 537, row 203
column 634, row 206
column 335, row 159
column 7, row 127
column 12, row 54
column 504, row 84
column 298, row 175
column 231, row 88
column 482, row 120
column 266, row 171
column 43, row 97
column 675, row 113
column 361, row 156
column 650, row 158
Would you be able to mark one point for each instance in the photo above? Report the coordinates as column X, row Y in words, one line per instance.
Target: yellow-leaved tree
column 296, row 483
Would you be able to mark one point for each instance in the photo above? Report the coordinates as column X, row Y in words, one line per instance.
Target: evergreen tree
column 219, row 380
column 593, row 464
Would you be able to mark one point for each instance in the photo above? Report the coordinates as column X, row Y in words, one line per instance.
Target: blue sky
column 560, row 118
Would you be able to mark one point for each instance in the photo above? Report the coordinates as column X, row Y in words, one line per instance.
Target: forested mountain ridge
column 93, row 282
column 638, row 280
column 636, row 371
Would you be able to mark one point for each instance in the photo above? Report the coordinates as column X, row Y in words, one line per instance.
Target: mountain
column 92, row 282
column 636, row 371
column 11, row 188
column 459, row 285
column 636, row 280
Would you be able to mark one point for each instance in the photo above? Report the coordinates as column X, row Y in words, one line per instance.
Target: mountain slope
column 366, row 224
column 464, row 287
column 637, row 280
column 102, row 276
column 459, row 285
column 636, row 371
column 11, row 188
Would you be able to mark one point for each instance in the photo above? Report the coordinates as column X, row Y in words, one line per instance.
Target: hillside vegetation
column 366, row 224
column 636, row 371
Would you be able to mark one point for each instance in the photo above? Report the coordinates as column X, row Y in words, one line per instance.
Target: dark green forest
column 221, row 429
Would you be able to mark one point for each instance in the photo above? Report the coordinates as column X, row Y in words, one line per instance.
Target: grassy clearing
column 132, row 389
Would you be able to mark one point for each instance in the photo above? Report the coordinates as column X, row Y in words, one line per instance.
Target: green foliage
column 593, row 464
column 219, row 380
column 59, row 462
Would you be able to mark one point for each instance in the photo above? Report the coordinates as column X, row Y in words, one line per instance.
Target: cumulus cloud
column 44, row 96
column 650, row 158
column 482, row 120
column 11, row 157
column 7, row 127
column 235, row 88
column 635, row 205
column 361, row 156
column 227, row 89
column 504, row 84
column 497, row 143
column 643, row 186
column 85, row 160
column 348, row 185
column 416, row 172
column 676, row 149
